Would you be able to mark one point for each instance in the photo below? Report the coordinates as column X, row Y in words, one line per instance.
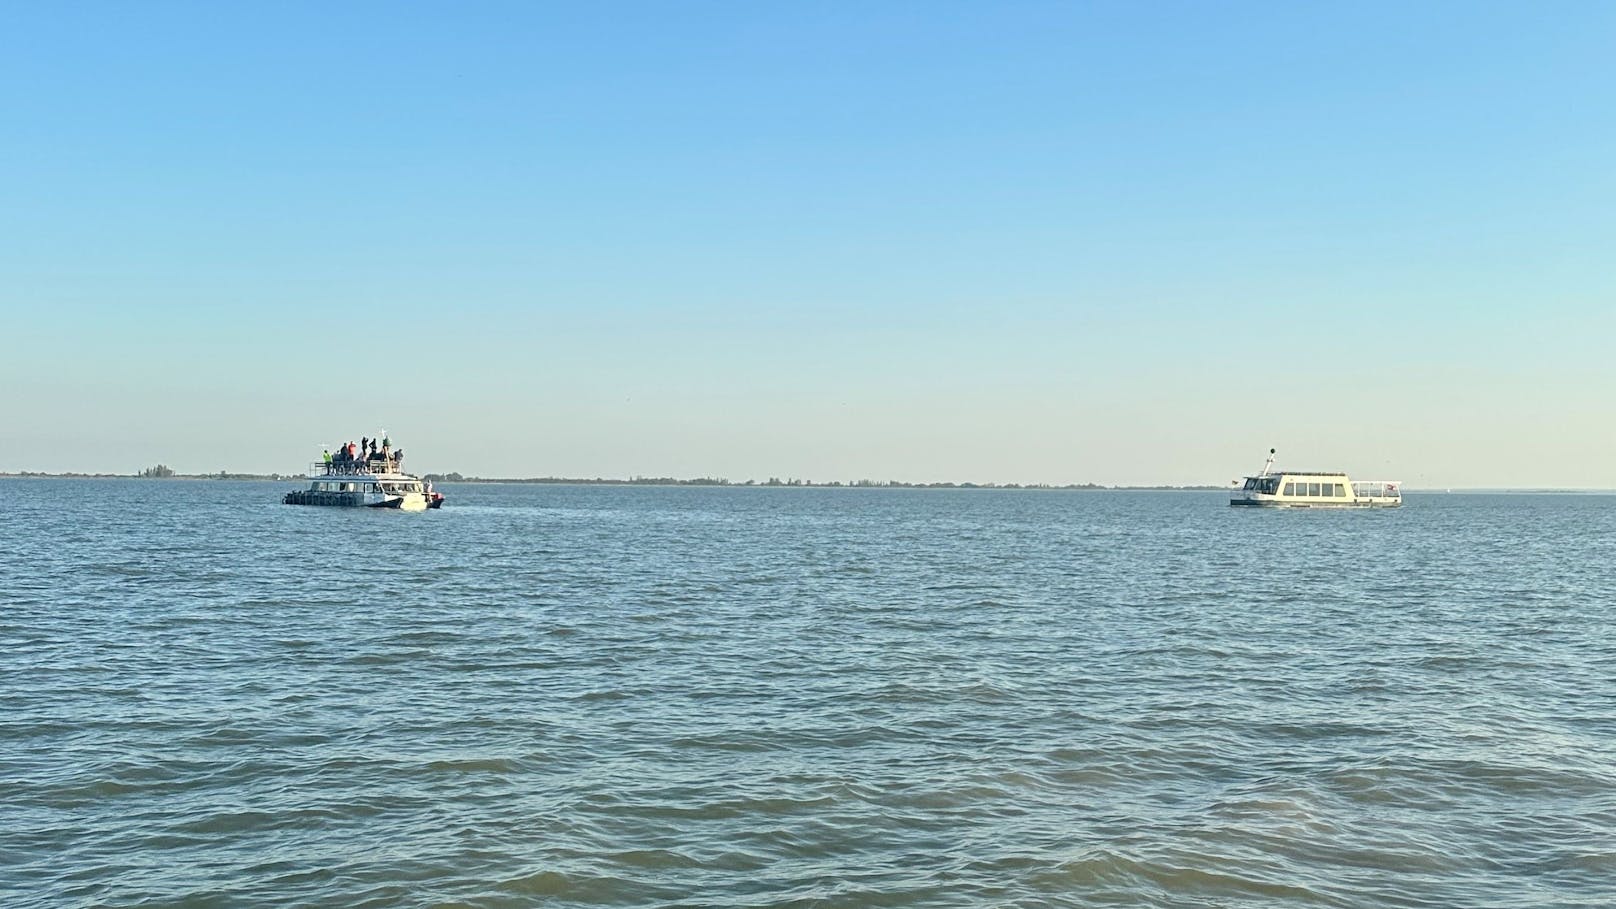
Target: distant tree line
column 163, row 471
column 772, row 482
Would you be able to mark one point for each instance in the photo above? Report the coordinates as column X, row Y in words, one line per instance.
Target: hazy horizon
column 1023, row 243
column 777, row 481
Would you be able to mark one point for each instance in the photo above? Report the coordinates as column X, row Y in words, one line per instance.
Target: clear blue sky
column 1060, row 242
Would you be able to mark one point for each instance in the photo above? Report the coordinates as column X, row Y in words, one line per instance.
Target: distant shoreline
column 772, row 483
column 787, row 484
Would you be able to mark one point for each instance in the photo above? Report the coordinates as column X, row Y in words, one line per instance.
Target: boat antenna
column 1267, row 464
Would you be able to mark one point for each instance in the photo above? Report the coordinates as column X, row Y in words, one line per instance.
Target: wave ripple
column 831, row 698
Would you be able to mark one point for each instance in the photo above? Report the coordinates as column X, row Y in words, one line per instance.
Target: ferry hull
column 328, row 499
column 1250, row 503
column 411, row 502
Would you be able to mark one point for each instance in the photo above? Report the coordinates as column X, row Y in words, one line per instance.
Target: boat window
column 1251, row 483
column 1340, row 491
column 1270, row 485
column 1313, row 489
column 1290, row 489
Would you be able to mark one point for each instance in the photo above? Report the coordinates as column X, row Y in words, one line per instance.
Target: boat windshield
column 1268, row 485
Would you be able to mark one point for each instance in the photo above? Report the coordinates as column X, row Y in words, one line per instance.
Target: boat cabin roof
column 1310, row 473
column 1301, row 473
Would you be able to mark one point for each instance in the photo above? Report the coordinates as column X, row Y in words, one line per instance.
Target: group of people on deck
column 368, row 456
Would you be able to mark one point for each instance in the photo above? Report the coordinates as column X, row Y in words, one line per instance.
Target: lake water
column 622, row 696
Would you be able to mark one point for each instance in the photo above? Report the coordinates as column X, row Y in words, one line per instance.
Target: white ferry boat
column 375, row 483
column 1314, row 489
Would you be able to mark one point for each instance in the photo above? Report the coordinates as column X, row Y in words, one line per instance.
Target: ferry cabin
column 385, row 490
column 1316, row 489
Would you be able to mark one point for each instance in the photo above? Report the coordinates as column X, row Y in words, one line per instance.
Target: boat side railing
column 355, row 468
column 1377, row 489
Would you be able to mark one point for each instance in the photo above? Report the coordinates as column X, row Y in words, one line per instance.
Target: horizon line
column 771, row 483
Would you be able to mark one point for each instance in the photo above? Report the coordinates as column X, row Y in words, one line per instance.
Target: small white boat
column 377, row 483
column 1314, row 489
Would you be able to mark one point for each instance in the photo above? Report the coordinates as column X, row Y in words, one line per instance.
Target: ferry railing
column 1377, row 489
column 354, row 468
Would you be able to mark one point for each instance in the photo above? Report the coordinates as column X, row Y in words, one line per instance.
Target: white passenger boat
column 376, row 483
column 1314, row 489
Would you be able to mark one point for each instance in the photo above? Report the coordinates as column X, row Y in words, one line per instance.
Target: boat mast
column 1267, row 464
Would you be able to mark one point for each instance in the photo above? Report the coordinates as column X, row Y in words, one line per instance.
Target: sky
column 1121, row 243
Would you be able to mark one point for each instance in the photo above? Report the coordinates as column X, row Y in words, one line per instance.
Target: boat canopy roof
column 1288, row 472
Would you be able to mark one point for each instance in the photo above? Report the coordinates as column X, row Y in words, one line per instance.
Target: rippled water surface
column 603, row 696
